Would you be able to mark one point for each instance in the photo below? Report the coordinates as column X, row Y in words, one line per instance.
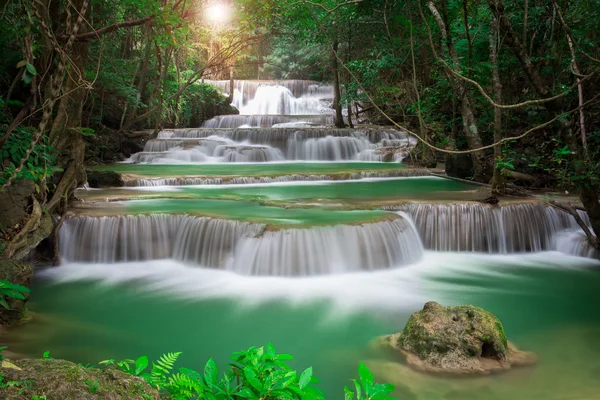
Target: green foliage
column 257, row 373
column 40, row 164
column 12, row 291
column 93, row 386
column 506, row 161
column 366, row 388
column 46, row 355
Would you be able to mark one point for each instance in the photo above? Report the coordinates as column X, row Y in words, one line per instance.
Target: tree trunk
column 65, row 135
column 141, row 84
column 339, row 118
column 482, row 170
column 588, row 191
column 499, row 179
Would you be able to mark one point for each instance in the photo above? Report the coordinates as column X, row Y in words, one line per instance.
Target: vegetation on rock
column 15, row 277
column 257, row 373
column 461, row 339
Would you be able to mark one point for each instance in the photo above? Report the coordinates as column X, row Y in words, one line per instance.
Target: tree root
column 32, row 224
column 569, row 209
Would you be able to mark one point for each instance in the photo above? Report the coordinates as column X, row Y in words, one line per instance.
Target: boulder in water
column 456, row 340
column 60, row 379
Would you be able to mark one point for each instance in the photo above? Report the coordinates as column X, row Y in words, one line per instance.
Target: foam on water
column 391, row 289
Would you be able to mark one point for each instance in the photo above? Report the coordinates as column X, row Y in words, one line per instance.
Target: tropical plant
column 257, row 373
column 10, row 290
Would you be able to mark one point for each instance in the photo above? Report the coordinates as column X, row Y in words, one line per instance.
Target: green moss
column 462, row 332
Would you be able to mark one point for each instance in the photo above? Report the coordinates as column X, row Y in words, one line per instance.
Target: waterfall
column 275, row 100
column 265, row 121
column 484, row 228
column 275, row 144
column 233, row 180
column 336, row 249
column 242, row 247
column 201, row 240
column 575, row 242
column 245, row 91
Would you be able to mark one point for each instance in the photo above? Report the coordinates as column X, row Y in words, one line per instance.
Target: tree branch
column 95, row 34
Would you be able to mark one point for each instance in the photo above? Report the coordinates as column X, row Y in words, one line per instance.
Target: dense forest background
column 504, row 91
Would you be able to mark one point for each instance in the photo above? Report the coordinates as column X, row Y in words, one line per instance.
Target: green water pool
column 547, row 302
column 365, row 189
column 246, row 211
column 243, row 169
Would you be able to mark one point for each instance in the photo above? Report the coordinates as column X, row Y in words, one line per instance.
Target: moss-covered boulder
column 15, row 272
column 60, row 380
column 101, row 179
column 457, row 340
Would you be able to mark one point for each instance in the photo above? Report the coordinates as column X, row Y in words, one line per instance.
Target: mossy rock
column 456, row 340
column 60, row 380
column 18, row 272
column 101, row 179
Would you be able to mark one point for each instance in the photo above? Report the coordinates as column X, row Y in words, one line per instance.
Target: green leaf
column 21, row 63
column 3, row 303
column 357, row 387
column 348, row 394
column 305, row 377
column 141, row 364
column 247, row 393
column 211, row 373
column 365, row 374
column 251, row 377
column 31, row 69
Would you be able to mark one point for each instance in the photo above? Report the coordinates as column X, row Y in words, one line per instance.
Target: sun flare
column 217, row 13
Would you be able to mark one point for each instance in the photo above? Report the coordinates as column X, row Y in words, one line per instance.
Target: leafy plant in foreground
column 366, row 388
column 257, row 373
column 11, row 290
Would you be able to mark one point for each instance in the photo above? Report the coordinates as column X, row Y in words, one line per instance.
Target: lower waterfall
column 245, row 248
column 511, row 228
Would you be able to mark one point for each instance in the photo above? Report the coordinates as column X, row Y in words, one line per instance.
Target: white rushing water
column 389, row 289
column 275, row 144
column 514, row 228
column 241, row 247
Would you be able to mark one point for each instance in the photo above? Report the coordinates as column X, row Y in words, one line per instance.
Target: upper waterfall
column 308, row 100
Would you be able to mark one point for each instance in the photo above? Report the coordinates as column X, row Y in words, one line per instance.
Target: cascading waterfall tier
column 275, row 144
column 182, row 181
column 277, row 96
column 242, row 247
column 483, row 228
column 331, row 249
column 265, row 121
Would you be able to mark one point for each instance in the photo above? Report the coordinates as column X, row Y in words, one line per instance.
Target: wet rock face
column 14, row 201
column 60, row 379
column 462, row 339
column 15, row 272
column 100, row 179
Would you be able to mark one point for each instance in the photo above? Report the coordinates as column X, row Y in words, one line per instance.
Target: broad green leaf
column 31, row 69
column 141, row 364
column 365, row 374
column 305, row 377
column 252, row 379
column 211, row 373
